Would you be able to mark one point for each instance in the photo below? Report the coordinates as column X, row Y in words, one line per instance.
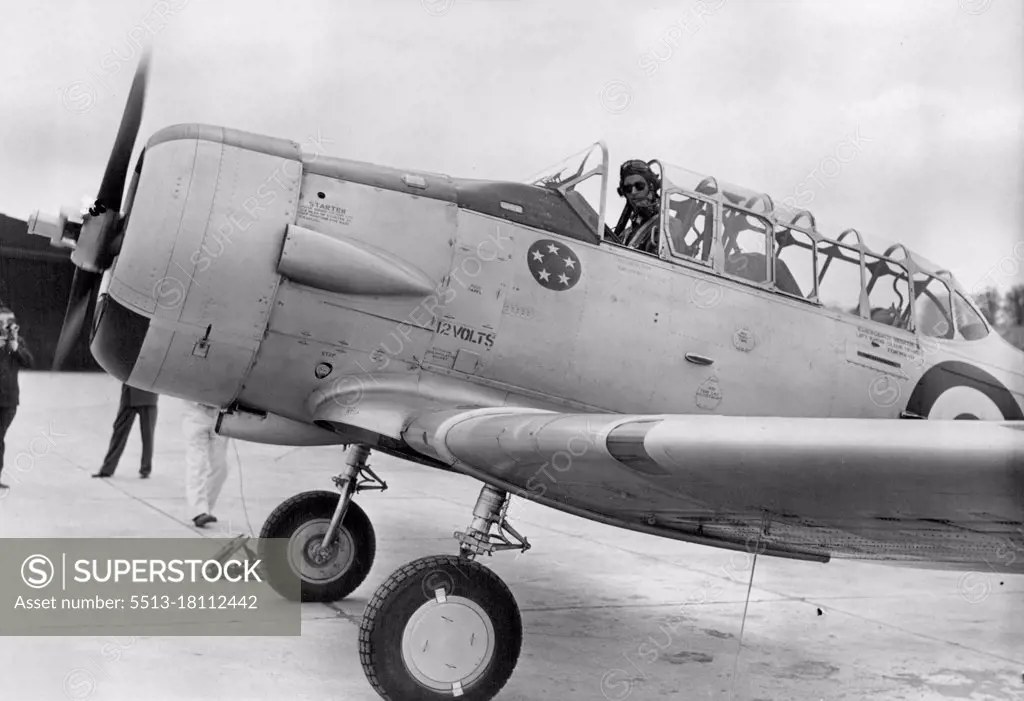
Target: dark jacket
column 132, row 396
column 10, row 363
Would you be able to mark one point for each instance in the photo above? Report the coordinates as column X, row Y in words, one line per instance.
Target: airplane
column 752, row 383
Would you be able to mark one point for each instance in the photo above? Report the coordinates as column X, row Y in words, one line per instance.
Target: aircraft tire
column 302, row 520
column 460, row 606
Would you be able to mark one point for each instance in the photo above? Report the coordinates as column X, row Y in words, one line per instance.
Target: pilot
column 639, row 224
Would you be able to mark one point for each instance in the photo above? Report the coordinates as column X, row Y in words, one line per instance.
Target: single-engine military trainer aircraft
column 737, row 379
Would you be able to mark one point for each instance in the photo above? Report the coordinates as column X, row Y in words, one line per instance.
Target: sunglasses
column 638, row 187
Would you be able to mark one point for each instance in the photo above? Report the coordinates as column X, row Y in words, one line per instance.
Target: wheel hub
column 312, row 563
column 448, row 643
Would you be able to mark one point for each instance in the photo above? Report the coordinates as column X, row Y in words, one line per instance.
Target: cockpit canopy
column 745, row 235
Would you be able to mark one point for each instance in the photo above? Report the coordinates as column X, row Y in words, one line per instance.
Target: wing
column 946, row 494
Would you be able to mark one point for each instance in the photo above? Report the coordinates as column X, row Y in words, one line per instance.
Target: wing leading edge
column 928, row 493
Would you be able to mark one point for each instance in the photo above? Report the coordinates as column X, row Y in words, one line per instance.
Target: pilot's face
column 637, row 190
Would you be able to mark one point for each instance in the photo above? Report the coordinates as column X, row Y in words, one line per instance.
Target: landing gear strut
column 446, row 625
column 323, row 538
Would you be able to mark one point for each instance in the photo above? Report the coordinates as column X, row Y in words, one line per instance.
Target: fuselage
column 340, row 295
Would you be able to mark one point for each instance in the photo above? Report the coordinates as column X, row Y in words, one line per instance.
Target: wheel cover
column 304, row 559
column 448, row 643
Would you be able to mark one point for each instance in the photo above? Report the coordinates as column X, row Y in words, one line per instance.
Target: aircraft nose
column 191, row 290
column 117, row 337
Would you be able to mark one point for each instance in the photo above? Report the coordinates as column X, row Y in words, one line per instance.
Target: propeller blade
column 94, row 250
column 102, row 226
column 112, row 187
column 81, row 302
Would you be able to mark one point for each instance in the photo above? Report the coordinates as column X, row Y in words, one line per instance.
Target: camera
column 8, row 326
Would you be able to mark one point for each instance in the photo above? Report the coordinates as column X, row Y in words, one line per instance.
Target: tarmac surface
column 607, row 613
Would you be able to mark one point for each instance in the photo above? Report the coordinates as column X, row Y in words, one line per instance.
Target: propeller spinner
column 98, row 240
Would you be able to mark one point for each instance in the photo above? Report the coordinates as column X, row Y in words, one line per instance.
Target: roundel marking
column 554, row 265
column 956, row 390
column 963, row 402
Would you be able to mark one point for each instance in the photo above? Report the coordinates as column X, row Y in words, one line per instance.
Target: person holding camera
column 14, row 356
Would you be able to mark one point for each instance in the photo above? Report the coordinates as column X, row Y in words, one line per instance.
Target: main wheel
column 303, row 521
column 438, row 627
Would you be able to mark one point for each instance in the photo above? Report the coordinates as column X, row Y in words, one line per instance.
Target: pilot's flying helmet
column 638, row 167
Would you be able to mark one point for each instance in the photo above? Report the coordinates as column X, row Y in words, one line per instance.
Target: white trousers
column 206, row 465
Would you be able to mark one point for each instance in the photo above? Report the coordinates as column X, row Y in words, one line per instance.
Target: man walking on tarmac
column 206, row 466
column 133, row 401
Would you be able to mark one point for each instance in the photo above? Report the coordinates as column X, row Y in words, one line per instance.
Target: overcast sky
column 901, row 119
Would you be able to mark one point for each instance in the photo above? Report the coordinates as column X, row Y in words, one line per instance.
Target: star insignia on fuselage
column 554, row 266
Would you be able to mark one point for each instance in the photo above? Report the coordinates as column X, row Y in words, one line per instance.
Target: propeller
column 102, row 223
